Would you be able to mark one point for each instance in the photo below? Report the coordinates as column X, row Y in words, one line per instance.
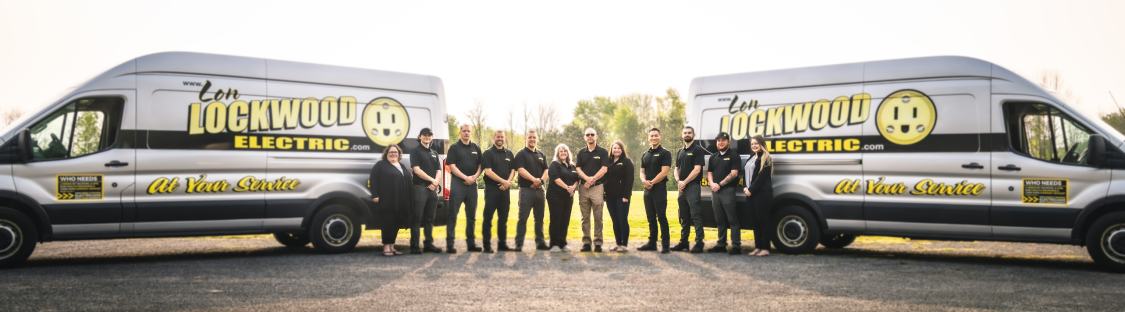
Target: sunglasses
column 590, row 134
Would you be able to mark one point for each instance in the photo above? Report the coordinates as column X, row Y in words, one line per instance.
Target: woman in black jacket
column 759, row 193
column 618, row 191
column 563, row 181
column 390, row 186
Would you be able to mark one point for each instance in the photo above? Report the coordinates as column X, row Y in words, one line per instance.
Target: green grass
column 638, row 223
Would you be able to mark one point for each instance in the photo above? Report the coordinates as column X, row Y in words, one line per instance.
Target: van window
column 1043, row 132
column 81, row 127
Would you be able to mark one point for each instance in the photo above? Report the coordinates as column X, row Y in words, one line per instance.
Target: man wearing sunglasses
column 593, row 162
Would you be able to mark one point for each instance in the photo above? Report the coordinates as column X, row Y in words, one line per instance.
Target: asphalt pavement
column 257, row 274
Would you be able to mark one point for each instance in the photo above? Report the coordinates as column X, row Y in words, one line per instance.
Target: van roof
column 260, row 68
column 874, row 71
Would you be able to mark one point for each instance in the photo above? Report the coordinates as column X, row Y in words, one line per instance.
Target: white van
column 190, row 144
column 947, row 148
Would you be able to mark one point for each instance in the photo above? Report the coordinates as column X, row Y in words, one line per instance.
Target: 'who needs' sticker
column 79, row 187
column 1045, row 191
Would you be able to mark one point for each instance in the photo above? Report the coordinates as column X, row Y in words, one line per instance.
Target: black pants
column 656, row 208
column 389, row 228
column 691, row 214
column 496, row 201
column 760, row 203
column 425, row 208
column 531, row 202
column 561, row 207
column 726, row 216
column 619, row 215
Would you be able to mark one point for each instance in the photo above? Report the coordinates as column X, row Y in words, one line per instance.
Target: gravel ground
column 254, row 273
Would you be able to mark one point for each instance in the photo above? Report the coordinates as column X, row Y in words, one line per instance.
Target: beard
column 688, row 140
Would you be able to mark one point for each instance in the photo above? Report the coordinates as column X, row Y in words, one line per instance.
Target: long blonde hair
column 767, row 160
column 569, row 156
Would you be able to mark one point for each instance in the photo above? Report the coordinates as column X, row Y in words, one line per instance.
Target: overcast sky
column 510, row 53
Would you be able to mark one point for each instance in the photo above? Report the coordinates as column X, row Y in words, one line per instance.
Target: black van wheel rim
column 1113, row 242
column 792, row 231
column 10, row 239
column 337, row 230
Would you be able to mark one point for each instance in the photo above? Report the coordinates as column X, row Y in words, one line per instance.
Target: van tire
column 837, row 241
column 292, row 240
column 1105, row 241
column 335, row 229
column 18, row 236
column 796, row 230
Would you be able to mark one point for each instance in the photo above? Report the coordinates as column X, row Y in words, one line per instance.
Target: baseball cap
column 723, row 135
column 426, row 131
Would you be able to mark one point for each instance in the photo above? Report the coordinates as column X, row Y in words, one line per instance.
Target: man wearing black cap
column 425, row 162
column 689, row 175
column 724, row 166
column 499, row 170
column 464, row 165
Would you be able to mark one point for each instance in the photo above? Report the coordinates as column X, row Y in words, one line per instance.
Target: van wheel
column 17, row 238
column 1105, row 241
column 796, row 230
column 837, row 241
column 292, row 240
column 334, row 229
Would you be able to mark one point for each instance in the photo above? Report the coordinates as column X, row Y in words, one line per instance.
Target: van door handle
column 1009, row 167
column 116, row 164
column 972, row 166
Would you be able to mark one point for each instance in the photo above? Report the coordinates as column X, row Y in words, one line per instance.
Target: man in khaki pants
column 593, row 161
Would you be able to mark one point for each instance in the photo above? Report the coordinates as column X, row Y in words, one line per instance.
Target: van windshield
column 28, row 112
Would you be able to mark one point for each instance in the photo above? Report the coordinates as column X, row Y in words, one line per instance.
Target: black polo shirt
column 590, row 162
column 721, row 165
column 426, row 159
column 465, row 156
column 500, row 161
column 652, row 161
column 686, row 160
column 534, row 162
column 567, row 172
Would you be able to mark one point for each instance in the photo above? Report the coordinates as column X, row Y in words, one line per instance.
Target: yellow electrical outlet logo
column 906, row 117
column 385, row 121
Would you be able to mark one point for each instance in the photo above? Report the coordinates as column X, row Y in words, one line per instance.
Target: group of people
column 407, row 196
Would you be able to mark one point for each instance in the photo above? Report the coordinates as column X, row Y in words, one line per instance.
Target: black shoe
column 735, row 250
column 682, row 246
column 519, row 247
column 651, row 246
column 664, row 248
column 698, row 248
column 718, row 249
column 474, row 247
column 542, row 246
column 450, row 249
column 598, row 248
column 585, row 248
column 431, row 248
column 488, row 248
column 414, row 250
column 503, row 247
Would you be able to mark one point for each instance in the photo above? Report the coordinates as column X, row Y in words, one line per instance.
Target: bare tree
column 1052, row 80
column 476, row 118
column 9, row 115
column 527, row 117
column 511, row 123
column 547, row 118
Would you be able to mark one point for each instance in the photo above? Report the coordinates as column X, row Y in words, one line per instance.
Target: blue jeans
column 619, row 213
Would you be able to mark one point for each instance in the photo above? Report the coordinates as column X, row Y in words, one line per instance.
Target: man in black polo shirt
column 498, row 173
column 425, row 162
column 689, row 167
column 464, row 165
column 722, row 176
column 532, row 167
column 655, row 164
column 593, row 162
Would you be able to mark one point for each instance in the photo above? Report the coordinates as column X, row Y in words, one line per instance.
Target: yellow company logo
column 385, row 121
column 906, row 117
column 923, row 187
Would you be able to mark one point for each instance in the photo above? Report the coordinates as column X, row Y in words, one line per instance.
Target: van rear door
column 82, row 164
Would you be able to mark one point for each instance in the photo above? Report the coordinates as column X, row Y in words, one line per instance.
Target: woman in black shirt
column 563, row 182
column 759, row 190
column 618, row 191
column 392, row 191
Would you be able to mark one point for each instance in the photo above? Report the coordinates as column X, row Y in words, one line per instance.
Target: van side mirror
column 24, row 150
column 1096, row 151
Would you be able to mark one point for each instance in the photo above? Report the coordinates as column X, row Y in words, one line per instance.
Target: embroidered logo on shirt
column 474, row 153
column 689, row 154
column 597, row 157
column 507, row 159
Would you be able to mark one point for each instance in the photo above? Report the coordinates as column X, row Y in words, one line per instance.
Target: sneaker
column 415, row 250
column 622, row 249
column 541, row 246
column 698, row 248
column 651, row 246
column 556, row 249
column 566, row 249
column 718, row 249
column 735, row 250
column 682, row 246
column 598, row 248
column 585, row 248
